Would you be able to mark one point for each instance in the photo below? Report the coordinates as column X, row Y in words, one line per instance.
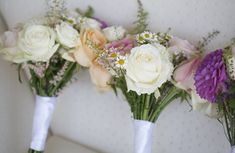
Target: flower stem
column 226, row 123
column 165, row 101
column 146, row 107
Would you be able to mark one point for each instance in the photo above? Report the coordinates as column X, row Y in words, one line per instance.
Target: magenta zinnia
column 210, row 76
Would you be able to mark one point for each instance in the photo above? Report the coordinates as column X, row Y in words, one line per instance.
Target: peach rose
column 85, row 54
column 100, row 76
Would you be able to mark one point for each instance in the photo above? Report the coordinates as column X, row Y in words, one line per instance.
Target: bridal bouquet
column 210, row 81
column 214, row 83
column 139, row 63
column 40, row 47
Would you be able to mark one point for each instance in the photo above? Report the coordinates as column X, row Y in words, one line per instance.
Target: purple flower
column 210, row 76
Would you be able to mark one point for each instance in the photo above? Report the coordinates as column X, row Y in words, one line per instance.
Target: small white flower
column 140, row 39
column 121, row 61
column 146, row 36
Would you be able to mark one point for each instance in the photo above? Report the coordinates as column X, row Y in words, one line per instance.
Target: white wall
column 16, row 109
column 103, row 121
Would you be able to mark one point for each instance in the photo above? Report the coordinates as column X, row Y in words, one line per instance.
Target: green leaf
column 88, row 13
column 19, row 73
column 206, row 40
column 231, row 103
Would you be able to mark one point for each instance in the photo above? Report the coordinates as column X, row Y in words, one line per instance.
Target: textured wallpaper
column 103, row 121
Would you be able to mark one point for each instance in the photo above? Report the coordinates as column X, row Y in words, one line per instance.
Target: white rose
column 199, row 104
column 89, row 23
column 37, row 43
column 148, row 68
column 67, row 35
column 114, row 33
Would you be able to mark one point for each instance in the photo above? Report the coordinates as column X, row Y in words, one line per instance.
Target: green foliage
column 43, row 86
column 206, row 40
column 227, row 56
column 88, row 13
column 226, row 103
column 177, row 59
column 165, row 37
column 145, row 106
column 231, row 103
column 184, row 96
column 141, row 22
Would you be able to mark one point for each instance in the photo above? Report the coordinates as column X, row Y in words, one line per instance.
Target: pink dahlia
column 211, row 75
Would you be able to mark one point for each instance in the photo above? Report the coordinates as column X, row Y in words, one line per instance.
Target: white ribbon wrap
column 42, row 118
column 233, row 149
column 143, row 136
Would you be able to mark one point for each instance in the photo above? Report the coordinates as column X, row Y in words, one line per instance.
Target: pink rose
column 184, row 74
column 124, row 45
column 178, row 45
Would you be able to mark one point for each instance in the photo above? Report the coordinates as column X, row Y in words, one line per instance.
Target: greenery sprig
column 206, row 40
column 89, row 12
column 141, row 23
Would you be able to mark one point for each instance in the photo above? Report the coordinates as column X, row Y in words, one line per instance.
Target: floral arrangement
column 214, row 82
column 209, row 79
column 45, row 48
column 141, row 65
column 150, row 69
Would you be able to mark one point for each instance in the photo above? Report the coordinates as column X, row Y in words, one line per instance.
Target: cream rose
column 199, row 104
column 67, row 35
column 89, row 23
column 114, row 33
column 148, row 68
column 37, row 43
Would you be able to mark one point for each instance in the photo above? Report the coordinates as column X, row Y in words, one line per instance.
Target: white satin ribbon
column 143, row 136
column 233, row 149
column 42, row 118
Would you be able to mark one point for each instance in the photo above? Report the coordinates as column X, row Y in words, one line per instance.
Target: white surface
column 103, row 121
column 233, row 149
column 143, row 136
column 59, row 145
column 43, row 114
column 16, row 110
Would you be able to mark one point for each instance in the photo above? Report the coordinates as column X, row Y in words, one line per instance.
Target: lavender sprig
column 59, row 76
